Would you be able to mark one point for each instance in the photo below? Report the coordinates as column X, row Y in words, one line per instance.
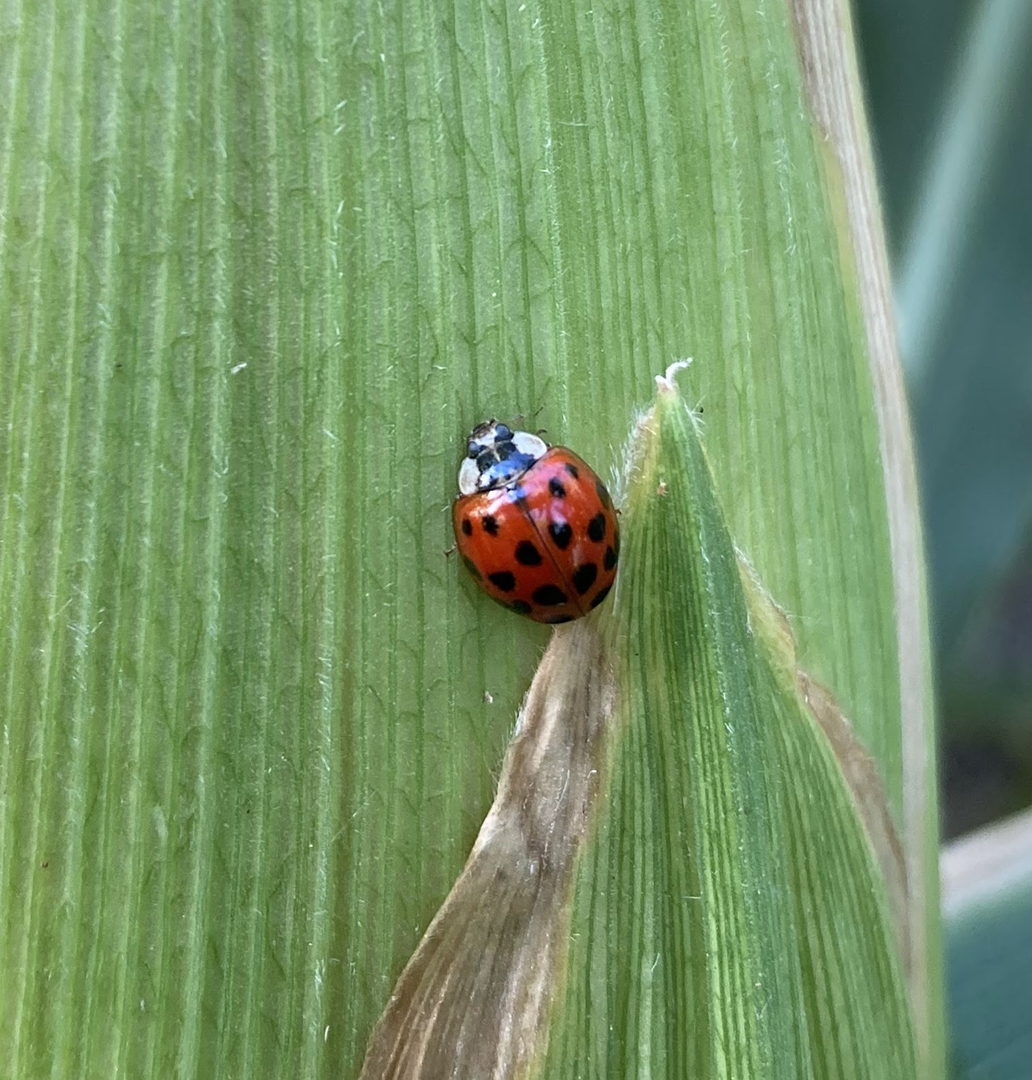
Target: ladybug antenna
column 520, row 417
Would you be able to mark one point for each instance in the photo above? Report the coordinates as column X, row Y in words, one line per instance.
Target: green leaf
column 261, row 268
column 731, row 919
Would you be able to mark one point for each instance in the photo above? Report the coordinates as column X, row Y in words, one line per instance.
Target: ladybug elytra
column 534, row 525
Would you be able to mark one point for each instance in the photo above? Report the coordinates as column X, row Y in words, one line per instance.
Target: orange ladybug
column 534, row 524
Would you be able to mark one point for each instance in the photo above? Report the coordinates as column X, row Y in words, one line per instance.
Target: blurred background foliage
column 949, row 85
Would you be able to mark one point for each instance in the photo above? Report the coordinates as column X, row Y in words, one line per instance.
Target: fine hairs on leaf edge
column 635, row 443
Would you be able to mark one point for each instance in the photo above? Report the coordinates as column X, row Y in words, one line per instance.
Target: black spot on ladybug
column 561, row 533
column 603, row 495
column 597, row 528
column 521, row 607
column 503, row 579
column 572, row 470
column 490, row 525
column 549, row 596
column 584, row 577
column 527, row 554
column 471, row 566
column 600, row 596
column 556, row 488
column 556, row 619
column 610, row 558
column 467, row 526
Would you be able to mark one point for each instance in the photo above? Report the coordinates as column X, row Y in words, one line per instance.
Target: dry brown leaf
column 473, row 1000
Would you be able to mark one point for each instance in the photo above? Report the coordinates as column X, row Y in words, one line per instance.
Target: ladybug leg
column 451, row 550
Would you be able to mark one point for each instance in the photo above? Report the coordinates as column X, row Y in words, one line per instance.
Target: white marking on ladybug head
column 529, row 444
column 469, row 474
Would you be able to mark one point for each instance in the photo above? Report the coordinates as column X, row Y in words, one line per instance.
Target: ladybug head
column 496, row 455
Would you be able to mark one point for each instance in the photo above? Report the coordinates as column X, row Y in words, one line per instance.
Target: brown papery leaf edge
column 473, row 999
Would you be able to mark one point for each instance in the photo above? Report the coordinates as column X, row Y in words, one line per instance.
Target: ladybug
column 534, row 525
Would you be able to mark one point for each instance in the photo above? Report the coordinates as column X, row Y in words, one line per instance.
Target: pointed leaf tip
column 665, row 382
column 729, row 917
